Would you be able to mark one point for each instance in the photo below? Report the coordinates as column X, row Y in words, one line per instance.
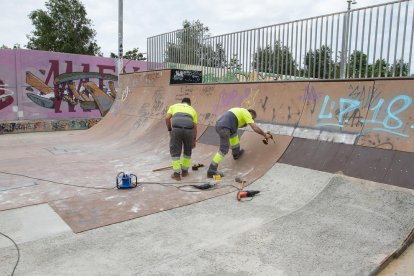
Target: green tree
column 277, row 59
column 188, row 47
column 188, row 44
column 133, row 54
column 378, row 69
column 63, row 27
column 213, row 58
column 401, row 68
column 358, row 65
column 320, row 64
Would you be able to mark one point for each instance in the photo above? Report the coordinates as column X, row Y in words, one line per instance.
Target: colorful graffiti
column 6, row 94
column 383, row 115
column 86, row 93
column 47, row 125
column 49, row 85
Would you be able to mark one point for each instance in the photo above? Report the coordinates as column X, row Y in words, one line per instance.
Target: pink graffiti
column 310, row 95
column 229, row 99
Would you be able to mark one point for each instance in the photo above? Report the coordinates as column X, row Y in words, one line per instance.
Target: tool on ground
column 266, row 140
column 243, row 194
column 204, row 186
column 125, row 181
column 217, row 177
column 162, row 169
column 196, row 166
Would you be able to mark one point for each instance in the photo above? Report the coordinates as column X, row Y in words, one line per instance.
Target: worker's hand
column 267, row 136
column 193, row 145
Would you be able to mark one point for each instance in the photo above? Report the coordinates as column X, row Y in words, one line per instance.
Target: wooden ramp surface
column 76, row 173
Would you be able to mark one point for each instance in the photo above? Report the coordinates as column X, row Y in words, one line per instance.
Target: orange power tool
column 243, row 194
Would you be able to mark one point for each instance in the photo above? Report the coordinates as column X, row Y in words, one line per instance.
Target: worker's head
column 253, row 113
column 186, row 100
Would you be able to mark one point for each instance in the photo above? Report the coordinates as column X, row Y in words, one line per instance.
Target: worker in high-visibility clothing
column 226, row 127
column 181, row 121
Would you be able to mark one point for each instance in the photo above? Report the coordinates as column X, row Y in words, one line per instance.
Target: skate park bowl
column 337, row 186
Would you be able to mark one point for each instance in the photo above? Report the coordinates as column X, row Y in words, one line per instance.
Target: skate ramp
column 331, row 124
column 363, row 129
column 159, row 192
column 282, row 231
column 76, row 174
column 357, row 128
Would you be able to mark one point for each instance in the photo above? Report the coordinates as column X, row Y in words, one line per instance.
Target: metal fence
column 369, row 42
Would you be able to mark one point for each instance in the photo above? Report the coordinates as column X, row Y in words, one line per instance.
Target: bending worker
column 226, row 127
column 181, row 121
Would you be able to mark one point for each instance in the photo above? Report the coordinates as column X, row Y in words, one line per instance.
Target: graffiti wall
column 373, row 113
column 40, row 85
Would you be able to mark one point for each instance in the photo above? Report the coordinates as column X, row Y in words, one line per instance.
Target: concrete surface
column 31, row 223
column 303, row 222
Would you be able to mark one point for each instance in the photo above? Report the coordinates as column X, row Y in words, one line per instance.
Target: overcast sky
column 143, row 19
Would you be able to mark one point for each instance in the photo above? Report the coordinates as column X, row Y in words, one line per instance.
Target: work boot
column 184, row 173
column 238, row 155
column 210, row 174
column 176, row 176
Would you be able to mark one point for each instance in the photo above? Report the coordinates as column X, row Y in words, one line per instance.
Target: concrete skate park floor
column 304, row 222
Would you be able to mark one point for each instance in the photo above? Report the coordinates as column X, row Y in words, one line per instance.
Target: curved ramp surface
column 325, row 126
column 291, row 228
column 132, row 138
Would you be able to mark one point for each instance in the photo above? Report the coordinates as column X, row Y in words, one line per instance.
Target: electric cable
column 199, row 189
column 172, row 184
column 18, row 251
column 55, row 182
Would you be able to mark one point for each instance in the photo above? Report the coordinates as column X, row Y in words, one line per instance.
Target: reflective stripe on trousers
column 226, row 141
column 181, row 141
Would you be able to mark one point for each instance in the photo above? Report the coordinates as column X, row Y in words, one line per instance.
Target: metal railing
column 369, row 42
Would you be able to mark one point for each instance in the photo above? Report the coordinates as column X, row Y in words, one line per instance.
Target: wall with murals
column 38, row 87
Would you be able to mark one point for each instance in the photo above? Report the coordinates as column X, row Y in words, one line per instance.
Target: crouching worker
column 181, row 121
column 226, row 127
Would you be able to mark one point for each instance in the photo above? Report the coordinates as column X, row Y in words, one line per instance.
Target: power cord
column 55, row 182
column 202, row 187
column 18, row 252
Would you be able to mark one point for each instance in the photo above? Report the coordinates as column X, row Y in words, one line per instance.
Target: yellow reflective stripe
column 234, row 141
column 186, row 162
column 176, row 165
column 218, row 157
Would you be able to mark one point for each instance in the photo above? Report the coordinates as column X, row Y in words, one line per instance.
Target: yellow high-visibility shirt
column 243, row 116
column 180, row 111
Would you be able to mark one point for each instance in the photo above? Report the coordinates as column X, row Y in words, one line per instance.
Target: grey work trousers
column 225, row 136
column 181, row 138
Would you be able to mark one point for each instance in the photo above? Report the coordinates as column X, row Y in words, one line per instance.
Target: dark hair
column 252, row 112
column 186, row 100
